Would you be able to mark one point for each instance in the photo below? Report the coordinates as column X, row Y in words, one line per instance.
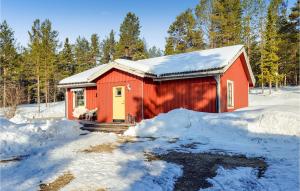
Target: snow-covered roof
column 206, row 62
column 82, row 77
column 185, row 62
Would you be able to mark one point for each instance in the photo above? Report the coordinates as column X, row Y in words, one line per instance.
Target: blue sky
column 72, row 18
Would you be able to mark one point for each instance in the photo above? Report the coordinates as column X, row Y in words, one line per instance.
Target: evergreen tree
column 108, row 48
column 130, row 37
column 34, row 58
column 8, row 59
column 226, row 22
column 66, row 66
column 49, row 44
column 184, row 35
column 294, row 36
column 95, row 49
column 82, row 55
column 289, row 44
column 203, row 13
column 269, row 66
column 154, row 52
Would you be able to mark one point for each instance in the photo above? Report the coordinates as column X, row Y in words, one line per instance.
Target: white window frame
column 232, row 96
column 84, row 94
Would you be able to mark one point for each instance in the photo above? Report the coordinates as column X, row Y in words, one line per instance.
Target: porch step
column 118, row 128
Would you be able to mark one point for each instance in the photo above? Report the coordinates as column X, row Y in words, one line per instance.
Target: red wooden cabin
column 213, row 80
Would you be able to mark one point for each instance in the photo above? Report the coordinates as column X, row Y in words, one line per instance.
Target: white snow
column 82, row 77
column 27, row 112
column 185, row 62
column 269, row 128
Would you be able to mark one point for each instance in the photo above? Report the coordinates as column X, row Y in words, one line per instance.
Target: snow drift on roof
column 82, row 77
column 185, row 62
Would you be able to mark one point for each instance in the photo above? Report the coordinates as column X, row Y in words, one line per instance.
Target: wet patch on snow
column 199, row 168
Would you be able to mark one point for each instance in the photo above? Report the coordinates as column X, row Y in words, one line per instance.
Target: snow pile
column 22, row 139
column 241, row 178
column 187, row 124
column 27, row 112
column 263, row 118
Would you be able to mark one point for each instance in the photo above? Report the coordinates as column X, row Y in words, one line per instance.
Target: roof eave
column 77, row 85
column 188, row 75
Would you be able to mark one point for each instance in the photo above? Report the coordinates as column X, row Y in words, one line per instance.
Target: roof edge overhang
column 77, row 85
column 186, row 75
column 115, row 65
column 242, row 51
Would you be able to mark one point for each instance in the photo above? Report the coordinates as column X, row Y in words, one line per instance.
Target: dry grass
column 104, row 148
column 59, row 183
column 126, row 139
column 101, row 189
column 109, row 147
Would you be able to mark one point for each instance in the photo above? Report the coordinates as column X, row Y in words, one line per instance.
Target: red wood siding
column 133, row 94
column 197, row 94
column 91, row 100
column 238, row 74
column 70, row 104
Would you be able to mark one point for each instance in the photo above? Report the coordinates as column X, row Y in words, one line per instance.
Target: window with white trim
column 230, row 94
column 79, row 98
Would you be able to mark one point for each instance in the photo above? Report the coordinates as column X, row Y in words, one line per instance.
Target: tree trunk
column 284, row 79
column 38, row 94
column 262, row 87
column 270, row 87
column 276, row 86
column 4, row 88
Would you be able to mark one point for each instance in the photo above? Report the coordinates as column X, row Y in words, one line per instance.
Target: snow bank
column 27, row 112
column 186, row 124
column 22, row 139
column 265, row 117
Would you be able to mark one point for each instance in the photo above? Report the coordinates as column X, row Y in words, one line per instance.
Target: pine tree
column 108, row 48
column 154, row 52
column 82, row 55
column 184, row 35
column 34, row 58
column 130, row 37
column 203, row 13
column 226, row 22
column 49, row 44
column 269, row 67
column 294, row 35
column 95, row 49
column 66, row 66
column 8, row 59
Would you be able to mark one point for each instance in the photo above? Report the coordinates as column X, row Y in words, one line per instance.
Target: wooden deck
column 118, row 128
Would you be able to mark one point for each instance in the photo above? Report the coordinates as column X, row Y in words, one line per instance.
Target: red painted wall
column 91, row 100
column 159, row 97
column 133, row 94
column 238, row 74
column 197, row 94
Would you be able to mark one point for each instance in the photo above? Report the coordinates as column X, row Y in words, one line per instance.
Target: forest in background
column 268, row 29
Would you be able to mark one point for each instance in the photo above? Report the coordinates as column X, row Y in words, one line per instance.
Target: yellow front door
column 119, row 103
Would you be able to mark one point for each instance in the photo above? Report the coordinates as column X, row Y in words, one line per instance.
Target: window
column 230, row 94
column 118, row 92
column 79, row 99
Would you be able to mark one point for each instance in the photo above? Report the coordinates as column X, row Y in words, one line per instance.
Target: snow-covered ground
column 269, row 128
